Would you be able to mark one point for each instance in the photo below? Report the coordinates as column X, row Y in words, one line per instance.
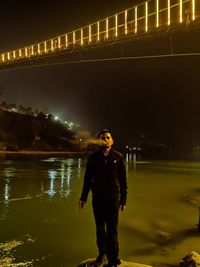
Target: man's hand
column 122, row 207
column 81, row 204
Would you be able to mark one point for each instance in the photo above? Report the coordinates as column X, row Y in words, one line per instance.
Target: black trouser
column 106, row 219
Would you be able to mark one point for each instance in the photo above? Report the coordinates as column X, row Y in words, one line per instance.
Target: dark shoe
column 118, row 261
column 100, row 260
column 110, row 265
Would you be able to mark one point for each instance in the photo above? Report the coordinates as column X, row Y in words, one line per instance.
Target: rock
column 90, row 263
column 191, row 260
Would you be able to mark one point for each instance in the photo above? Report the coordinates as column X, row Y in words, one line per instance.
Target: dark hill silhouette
column 22, row 131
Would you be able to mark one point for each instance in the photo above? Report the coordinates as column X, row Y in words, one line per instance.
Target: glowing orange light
column 90, row 34
column 169, row 13
column 136, row 20
column 157, row 13
column 52, row 46
column 126, row 28
column 146, row 16
column 45, row 46
column 26, row 52
column 181, row 11
column 74, row 37
column 59, row 42
column 116, row 25
column 98, row 34
column 39, row 49
column 193, row 9
column 66, row 40
column 81, row 36
column 107, row 26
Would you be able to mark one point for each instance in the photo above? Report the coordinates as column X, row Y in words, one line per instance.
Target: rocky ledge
column 190, row 260
column 90, row 263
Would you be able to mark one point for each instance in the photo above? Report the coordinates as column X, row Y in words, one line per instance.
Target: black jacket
column 106, row 177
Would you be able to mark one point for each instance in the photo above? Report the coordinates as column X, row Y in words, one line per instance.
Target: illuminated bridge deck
column 143, row 19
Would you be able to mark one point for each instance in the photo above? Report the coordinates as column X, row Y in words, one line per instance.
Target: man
column 105, row 175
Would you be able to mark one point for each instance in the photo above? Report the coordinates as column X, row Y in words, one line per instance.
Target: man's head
column 105, row 137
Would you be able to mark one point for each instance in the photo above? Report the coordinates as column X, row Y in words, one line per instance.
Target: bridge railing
column 142, row 18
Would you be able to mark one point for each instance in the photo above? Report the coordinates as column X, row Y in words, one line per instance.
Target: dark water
column 40, row 224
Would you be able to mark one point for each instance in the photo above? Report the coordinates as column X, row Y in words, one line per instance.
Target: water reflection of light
column 79, row 169
column 6, row 192
column 52, row 176
column 5, row 199
column 49, row 160
column 131, row 157
column 79, row 163
column 130, row 161
column 62, row 171
column 66, row 171
column 61, row 176
column 9, row 172
column 69, row 172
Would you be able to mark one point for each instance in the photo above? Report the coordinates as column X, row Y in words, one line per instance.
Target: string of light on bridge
column 142, row 18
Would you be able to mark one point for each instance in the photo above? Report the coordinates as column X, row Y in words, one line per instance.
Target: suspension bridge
column 148, row 19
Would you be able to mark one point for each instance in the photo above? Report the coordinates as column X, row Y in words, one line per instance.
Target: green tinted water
column 40, row 224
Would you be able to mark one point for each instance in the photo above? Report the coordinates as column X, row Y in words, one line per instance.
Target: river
column 40, row 224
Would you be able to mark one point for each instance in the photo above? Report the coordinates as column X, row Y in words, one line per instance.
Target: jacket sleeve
column 123, row 182
column 87, row 181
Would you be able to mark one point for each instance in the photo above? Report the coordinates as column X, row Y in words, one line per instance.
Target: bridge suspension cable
column 178, row 55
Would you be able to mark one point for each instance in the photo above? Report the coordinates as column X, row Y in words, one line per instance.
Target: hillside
column 22, row 131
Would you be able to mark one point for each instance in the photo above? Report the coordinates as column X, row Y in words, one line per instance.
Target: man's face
column 106, row 140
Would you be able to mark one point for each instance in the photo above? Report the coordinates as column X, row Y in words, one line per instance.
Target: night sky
column 155, row 98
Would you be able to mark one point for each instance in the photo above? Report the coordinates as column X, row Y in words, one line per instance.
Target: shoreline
column 38, row 152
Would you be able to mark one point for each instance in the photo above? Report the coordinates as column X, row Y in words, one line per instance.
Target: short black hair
column 103, row 131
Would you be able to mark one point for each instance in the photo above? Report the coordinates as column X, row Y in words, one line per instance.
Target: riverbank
column 30, row 152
